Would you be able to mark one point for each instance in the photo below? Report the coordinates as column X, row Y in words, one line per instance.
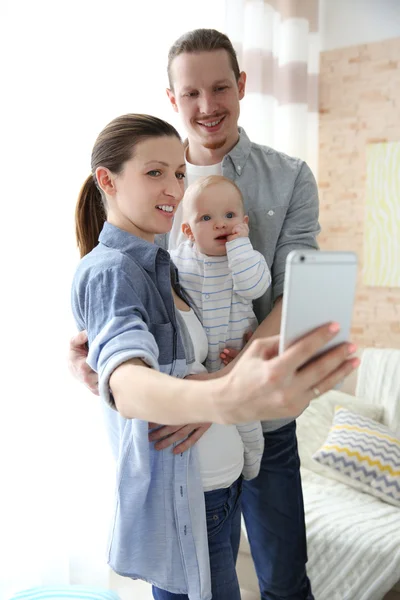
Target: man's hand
column 166, row 435
column 77, row 364
column 240, row 230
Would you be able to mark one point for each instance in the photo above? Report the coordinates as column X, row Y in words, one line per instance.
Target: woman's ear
column 105, row 181
column 186, row 230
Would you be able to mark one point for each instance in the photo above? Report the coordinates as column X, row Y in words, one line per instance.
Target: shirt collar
column 145, row 253
column 239, row 153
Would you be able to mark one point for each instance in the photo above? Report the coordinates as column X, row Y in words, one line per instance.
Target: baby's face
column 211, row 217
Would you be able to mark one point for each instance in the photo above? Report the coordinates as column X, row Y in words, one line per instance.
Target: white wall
column 68, row 69
column 352, row 22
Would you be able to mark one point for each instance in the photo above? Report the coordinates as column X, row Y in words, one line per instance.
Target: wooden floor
column 138, row 590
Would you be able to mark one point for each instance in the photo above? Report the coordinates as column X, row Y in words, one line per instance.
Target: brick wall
column 359, row 105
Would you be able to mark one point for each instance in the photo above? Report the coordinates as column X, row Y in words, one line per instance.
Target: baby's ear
column 186, row 230
column 246, row 219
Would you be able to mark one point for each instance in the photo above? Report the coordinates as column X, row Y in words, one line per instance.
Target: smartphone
column 319, row 288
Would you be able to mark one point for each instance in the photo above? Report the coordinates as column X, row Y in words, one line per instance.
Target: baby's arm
column 250, row 272
column 253, row 443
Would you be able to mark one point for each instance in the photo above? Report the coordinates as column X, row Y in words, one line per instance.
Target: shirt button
column 206, row 296
column 239, row 168
column 208, row 264
column 271, row 212
column 207, row 329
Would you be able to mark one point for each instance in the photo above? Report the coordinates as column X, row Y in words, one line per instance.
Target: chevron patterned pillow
column 366, row 452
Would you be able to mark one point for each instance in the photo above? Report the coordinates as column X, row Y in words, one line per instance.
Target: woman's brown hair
column 113, row 148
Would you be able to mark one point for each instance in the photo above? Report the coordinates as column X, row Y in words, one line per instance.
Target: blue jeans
column 223, row 528
column 273, row 510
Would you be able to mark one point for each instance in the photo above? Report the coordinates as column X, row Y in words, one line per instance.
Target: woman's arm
column 260, row 386
column 140, row 392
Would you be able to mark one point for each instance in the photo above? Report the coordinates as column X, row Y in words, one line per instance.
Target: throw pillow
column 314, row 424
column 364, row 451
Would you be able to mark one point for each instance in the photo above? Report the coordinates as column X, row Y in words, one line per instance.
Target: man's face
column 206, row 94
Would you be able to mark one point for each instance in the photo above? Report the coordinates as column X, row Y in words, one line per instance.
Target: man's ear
column 186, row 230
column 242, row 84
column 105, row 179
column 246, row 219
column 172, row 99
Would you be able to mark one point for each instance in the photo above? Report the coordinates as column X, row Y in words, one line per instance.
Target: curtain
column 277, row 43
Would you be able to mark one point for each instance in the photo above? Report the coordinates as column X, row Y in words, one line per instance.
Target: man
column 281, row 198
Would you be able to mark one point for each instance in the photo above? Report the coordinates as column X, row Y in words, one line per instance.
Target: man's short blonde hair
column 201, row 184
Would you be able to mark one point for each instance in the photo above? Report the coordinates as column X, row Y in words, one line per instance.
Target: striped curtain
column 277, row 43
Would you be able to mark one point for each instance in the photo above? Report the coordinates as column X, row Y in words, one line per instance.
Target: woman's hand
column 263, row 385
column 77, row 364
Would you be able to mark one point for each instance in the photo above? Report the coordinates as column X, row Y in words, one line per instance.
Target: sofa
column 353, row 537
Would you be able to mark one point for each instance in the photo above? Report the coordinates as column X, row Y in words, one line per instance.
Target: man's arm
column 300, row 227
column 77, row 362
column 299, row 231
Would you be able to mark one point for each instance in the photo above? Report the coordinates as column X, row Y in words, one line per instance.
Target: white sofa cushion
column 353, row 541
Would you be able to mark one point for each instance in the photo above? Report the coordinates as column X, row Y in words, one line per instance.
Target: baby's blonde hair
column 202, row 183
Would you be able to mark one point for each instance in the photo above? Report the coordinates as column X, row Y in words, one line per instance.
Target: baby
column 218, row 267
column 222, row 274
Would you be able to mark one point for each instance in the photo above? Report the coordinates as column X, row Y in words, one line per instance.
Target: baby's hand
column 240, row 230
column 228, row 355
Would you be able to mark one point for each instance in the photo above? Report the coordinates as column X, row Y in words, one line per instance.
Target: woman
column 125, row 297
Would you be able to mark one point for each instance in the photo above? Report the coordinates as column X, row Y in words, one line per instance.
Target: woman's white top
column 220, row 449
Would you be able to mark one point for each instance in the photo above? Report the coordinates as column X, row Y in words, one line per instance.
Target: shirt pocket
column 165, row 336
column 265, row 227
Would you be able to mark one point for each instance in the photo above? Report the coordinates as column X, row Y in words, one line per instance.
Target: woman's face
column 147, row 192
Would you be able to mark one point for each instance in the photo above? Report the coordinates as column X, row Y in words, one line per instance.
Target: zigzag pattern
column 341, row 462
column 370, row 445
column 387, row 485
column 365, row 451
column 347, row 418
column 366, row 431
column 335, row 459
column 382, row 481
column 362, row 452
column 364, row 457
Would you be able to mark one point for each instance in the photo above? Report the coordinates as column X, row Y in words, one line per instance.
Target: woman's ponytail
column 89, row 216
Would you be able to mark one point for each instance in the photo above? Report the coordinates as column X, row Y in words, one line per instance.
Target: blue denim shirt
column 121, row 294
